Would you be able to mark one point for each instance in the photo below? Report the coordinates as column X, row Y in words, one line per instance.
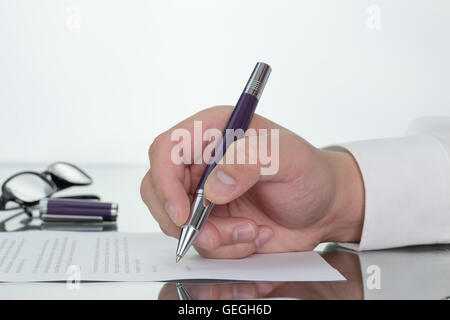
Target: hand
column 315, row 195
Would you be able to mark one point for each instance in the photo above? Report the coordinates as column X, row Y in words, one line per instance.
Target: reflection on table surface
column 347, row 263
column 405, row 273
column 20, row 220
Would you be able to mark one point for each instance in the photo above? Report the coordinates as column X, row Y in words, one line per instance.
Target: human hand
column 315, row 196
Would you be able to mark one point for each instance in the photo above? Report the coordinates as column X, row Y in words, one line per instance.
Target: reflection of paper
column 115, row 256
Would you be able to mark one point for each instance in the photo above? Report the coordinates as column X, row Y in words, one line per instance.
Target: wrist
column 346, row 214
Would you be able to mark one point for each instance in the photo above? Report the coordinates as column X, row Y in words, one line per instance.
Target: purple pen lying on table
column 70, row 210
column 237, row 124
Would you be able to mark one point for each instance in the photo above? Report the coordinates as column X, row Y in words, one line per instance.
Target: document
column 116, row 256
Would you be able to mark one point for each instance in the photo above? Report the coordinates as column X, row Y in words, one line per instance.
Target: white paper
column 115, row 256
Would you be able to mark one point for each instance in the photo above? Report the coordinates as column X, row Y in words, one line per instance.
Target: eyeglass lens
column 29, row 187
column 69, row 173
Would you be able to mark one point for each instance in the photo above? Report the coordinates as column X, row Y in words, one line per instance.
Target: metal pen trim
column 258, row 79
column 43, row 206
column 201, row 207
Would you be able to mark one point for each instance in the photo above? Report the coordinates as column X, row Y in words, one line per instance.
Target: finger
column 234, row 251
column 169, row 180
column 244, row 291
column 225, row 291
column 232, row 178
column 204, row 291
column 156, row 208
column 264, row 288
column 168, row 292
column 265, row 234
column 211, row 249
column 223, row 231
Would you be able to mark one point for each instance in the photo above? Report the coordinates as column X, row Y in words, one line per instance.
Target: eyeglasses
column 27, row 188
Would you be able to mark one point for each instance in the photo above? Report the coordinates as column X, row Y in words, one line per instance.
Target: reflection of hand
column 222, row 291
column 315, row 196
column 347, row 263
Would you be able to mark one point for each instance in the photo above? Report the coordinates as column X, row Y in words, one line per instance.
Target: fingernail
column 243, row 233
column 171, row 211
column 264, row 235
column 221, row 183
column 203, row 240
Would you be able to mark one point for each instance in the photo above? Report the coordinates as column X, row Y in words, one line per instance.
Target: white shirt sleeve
column 407, row 186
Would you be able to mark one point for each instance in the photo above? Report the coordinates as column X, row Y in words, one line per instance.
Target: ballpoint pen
column 238, row 122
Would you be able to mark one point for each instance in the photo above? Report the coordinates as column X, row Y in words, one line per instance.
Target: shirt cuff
column 407, row 191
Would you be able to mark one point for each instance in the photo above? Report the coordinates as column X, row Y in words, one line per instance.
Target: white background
column 102, row 92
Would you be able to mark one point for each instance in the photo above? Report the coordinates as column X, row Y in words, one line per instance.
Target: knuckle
column 156, row 144
column 205, row 253
column 143, row 190
column 168, row 231
column 164, row 230
column 145, row 187
column 243, row 154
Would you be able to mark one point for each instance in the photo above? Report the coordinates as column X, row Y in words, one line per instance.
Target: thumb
column 235, row 174
column 228, row 182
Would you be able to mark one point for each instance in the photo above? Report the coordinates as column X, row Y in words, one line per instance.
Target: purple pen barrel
column 70, row 210
column 241, row 116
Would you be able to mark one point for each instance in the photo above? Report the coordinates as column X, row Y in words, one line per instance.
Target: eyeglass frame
column 56, row 183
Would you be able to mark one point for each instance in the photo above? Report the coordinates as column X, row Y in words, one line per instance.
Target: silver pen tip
column 178, row 258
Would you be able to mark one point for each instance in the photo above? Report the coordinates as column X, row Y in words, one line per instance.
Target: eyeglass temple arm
column 2, row 202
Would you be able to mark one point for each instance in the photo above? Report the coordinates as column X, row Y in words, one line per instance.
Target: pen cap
column 258, row 79
column 64, row 210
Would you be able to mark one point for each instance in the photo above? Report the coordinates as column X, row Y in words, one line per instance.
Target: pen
column 71, row 210
column 239, row 120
